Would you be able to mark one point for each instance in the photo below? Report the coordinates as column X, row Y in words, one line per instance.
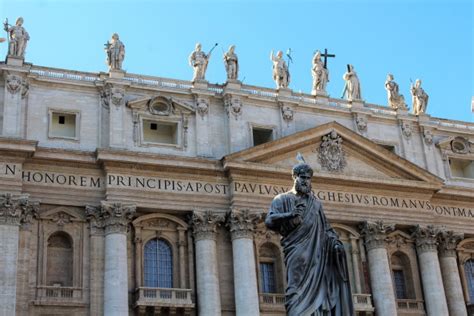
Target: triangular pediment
column 363, row 159
column 161, row 105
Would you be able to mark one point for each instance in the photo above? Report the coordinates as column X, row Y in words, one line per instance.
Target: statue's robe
column 317, row 276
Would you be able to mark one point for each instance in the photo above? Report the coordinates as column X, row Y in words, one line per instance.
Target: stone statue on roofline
column 199, row 61
column 352, row 86
column 115, row 51
column 231, row 63
column 320, row 75
column 316, row 266
column 419, row 98
column 395, row 100
column 18, row 38
column 281, row 73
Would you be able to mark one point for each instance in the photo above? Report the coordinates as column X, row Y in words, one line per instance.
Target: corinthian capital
column 114, row 217
column 426, row 238
column 448, row 241
column 205, row 224
column 375, row 233
column 242, row 223
column 17, row 209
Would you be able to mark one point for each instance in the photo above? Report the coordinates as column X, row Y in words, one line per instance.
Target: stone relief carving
column 460, row 145
column 231, row 62
column 448, row 241
column 395, row 100
column 398, row 241
column 331, row 154
column 17, row 84
column 161, row 106
column 17, row 209
column 419, row 98
column 114, row 217
column 281, row 73
column 18, row 38
column 61, row 218
column 110, row 94
column 406, row 129
column 428, row 137
column 115, row 51
column 233, row 106
column 426, row 238
column 361, row 123
column 286, row 112
column 242, row 223
column 202, row 107
column 205, row 224
column 375, row 233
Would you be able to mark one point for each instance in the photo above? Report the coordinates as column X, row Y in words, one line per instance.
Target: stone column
column 448, row 241
column 204, row 230
column 115, row 218
column 375, row 234
column 14, row 210
column 242, row 225
column 426, row 248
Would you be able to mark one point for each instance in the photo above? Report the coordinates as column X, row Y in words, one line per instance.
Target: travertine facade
column 95, row 168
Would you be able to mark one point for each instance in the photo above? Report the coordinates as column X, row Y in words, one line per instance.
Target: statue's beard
column 302, row 188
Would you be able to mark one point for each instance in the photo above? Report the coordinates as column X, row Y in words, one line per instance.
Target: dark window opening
column 262, row 136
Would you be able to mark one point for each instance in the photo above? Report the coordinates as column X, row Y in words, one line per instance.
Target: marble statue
column 231, row 63
column 316, row 266
column 115, row 51
column 320, row 74
column 419, row 98
column 281, row 73
column 18, row 37
column 199, row 60
column 395, row 100
column 352, row 86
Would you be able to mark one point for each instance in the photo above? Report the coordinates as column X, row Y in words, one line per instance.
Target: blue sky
column 431, row 40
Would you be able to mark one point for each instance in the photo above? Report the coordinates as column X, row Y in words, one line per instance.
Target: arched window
column 158, row 264
column 469, row 271
column 270, row 269
column 59, row 267
column 402, row 277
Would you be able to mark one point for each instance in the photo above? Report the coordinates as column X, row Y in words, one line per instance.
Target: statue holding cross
column 320, row 72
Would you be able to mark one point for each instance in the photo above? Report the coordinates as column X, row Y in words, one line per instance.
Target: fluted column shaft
column 379, row 268
column 207, row 276
column 426, row 248
column 242, row 225
column 450, row 272
column 115, row 218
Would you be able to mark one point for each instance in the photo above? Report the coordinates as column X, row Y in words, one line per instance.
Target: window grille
column 158, row 270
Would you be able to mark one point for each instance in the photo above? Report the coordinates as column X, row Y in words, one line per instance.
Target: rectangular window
column 160, row 132
column 261, row 135
column 267, row 270
column 63, row 125
column 400, row 285
column 461, row 168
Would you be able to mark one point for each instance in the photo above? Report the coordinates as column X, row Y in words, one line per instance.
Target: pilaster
column 113, row 101
column 203, row 127
column 16, row 89
column 236, row 125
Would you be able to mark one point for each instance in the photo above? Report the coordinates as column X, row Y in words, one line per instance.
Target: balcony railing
column 163, row 297
column 410, row 305
column 272, row 302
column 58, row 294
column 362, row 302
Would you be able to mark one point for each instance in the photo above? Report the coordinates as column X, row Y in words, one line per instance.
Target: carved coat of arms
column 331, row 154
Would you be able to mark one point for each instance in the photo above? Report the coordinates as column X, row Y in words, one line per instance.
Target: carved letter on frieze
column 16, row 84
column 426, row 238
column 448, row 241
column 242, row 223
column 375, row 233
column 331, row 154
column 17, row 209
column 205, row 224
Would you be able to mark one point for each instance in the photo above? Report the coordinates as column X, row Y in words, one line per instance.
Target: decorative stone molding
column 242, row 223
column 233, row 106
column 460, row 145
column 287, row 112
column 205, row 224
column 202, row 107
column 375, row 233
column 331, row 153
column 61, row 218
column 17, row 84
column 428, row 137
column 426, row 238
column 17, row 209
column 448, row 241
column 406, row 130
column 361, row 123
column 112, row 95
column 114, row 217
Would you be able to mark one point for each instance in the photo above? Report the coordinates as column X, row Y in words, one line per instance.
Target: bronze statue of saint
column 316, row 266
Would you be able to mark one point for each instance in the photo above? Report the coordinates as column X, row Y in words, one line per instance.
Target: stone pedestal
column 15, row 61
column 321, row 98
column 450, row 272
column 284, row 92
column 114, row 218
column 116, row 74
column 426, row 247
column 233, row 85
column 242, row 225
column 379, row 268
column 14, row 210
column 204, row 230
